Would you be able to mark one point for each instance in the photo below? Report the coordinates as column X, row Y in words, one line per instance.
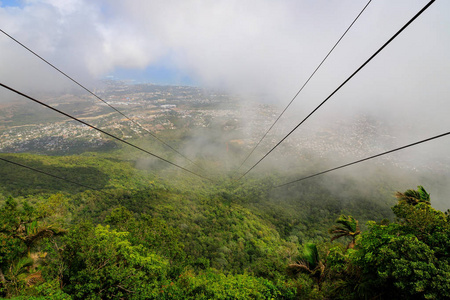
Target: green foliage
column 202, row 232
column 91, row 169
column 212, row 284
column 309, row 263
column 22, row 228
column 401, row 264
column 310, row 255
column 151, row 238
column 11, row 248
column 17, row 274
column 103, row 264
column 50, row 290
column 305, row 213
column 348, row 226
column 153, row 233
column 414, row 197
column 408, row 259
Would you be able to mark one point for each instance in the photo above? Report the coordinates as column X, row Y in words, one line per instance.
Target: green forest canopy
column 150, row 237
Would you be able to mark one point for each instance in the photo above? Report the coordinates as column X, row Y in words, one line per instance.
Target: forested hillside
column 224, row 149
column 146, row 236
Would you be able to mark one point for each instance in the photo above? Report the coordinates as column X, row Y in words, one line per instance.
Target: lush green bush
column 409, row 258
column 102, row 264
column 212, row 284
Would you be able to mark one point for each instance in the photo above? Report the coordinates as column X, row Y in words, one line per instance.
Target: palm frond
column 414, row 197
column 348, row 222
column 310, row 255
column 339, row 236
column 299, row 267
column 20, row 266
column 348, row 226
column 424, row 196
column 336, row 230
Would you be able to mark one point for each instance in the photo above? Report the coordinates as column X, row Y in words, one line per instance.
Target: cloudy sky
column 255, row 45
column 261, row 48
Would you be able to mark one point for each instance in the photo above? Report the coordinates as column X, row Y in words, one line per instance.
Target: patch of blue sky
column 156, row 74
column 12, row 3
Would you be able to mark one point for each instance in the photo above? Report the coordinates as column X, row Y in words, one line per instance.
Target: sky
column 261, row 49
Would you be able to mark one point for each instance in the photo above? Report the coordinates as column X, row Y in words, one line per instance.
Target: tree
column 309, row 263
column 414, row 197
column 103, row 264
column 348, row 227
column 26, row 224
column 33, row 232
column 18, row 274
column 21, row 228
column 10, row 248
column 398, row 265
column 212, row 284
column 408, row 259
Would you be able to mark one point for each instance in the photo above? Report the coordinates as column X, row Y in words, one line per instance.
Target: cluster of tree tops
column 145, row 247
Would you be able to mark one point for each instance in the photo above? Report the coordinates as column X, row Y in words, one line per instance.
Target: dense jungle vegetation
column 165, row 236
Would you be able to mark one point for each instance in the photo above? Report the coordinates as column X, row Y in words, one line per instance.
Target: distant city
column 165, row 108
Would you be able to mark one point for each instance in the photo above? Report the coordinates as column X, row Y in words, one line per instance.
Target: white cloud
column 257, row 46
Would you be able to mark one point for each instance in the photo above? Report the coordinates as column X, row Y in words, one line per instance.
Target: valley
column 190, row 238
